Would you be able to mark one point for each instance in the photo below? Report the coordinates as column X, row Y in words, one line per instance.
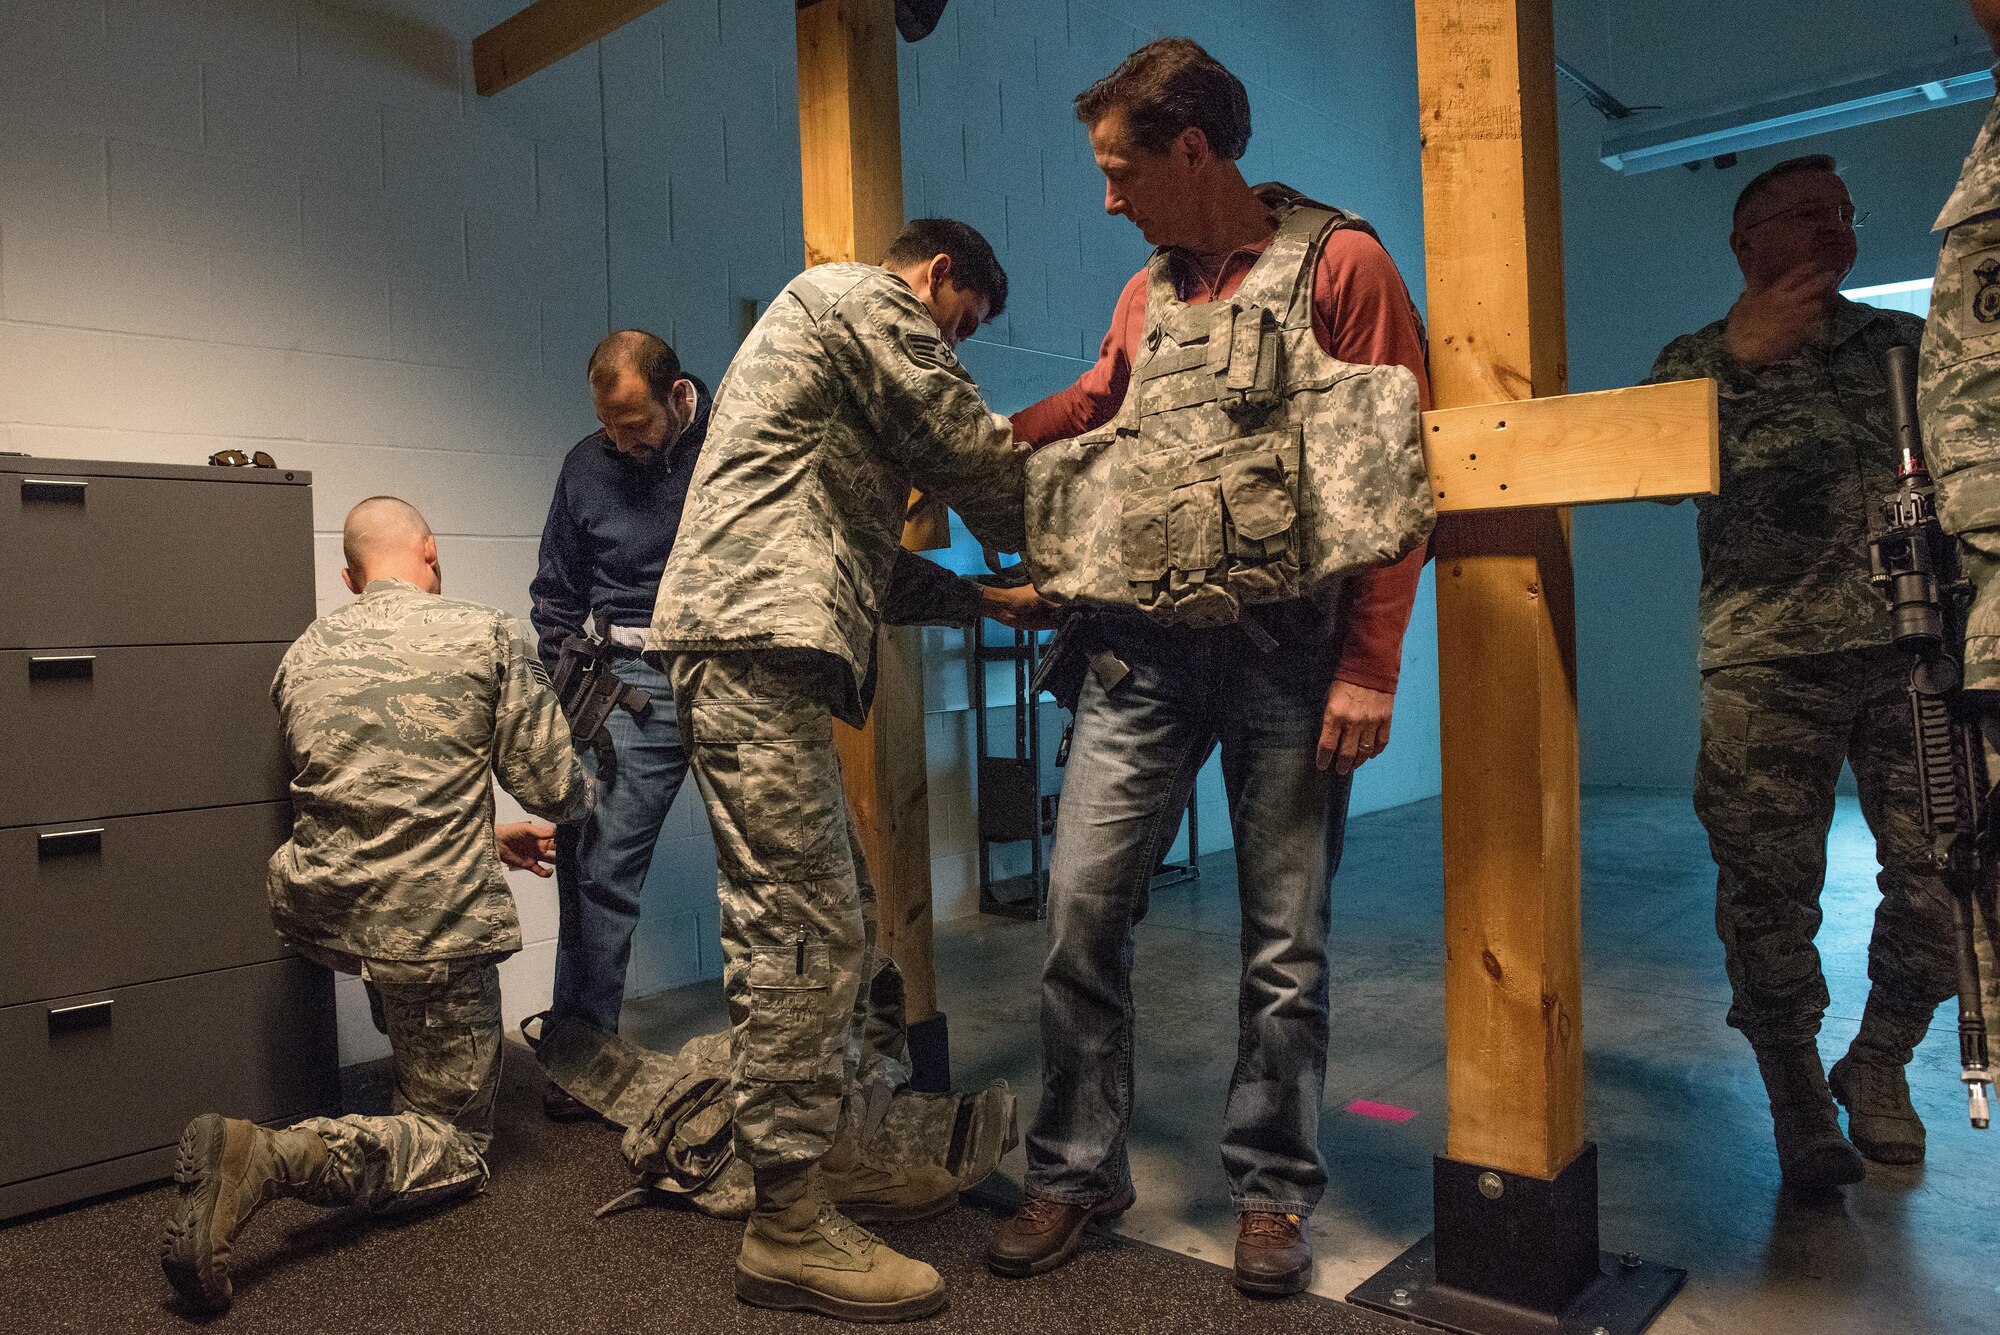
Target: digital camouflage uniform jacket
column 842, row 398
column 398, row 711
column 1959, row 393
column 1807, row 454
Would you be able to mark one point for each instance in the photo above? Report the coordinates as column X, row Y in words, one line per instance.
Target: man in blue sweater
column 616, row 510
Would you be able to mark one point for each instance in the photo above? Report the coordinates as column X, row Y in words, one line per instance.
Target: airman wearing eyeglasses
column 1800, row 673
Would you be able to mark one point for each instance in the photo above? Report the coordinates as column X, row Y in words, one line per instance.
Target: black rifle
column 1914, row 566
column 589, row 690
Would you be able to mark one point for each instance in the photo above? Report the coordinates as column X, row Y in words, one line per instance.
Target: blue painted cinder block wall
column 1647, row 259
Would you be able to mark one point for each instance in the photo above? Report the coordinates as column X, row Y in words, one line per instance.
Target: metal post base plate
column 1624, row 1299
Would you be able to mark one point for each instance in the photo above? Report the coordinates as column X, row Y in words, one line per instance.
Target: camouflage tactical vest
column 1246, row 466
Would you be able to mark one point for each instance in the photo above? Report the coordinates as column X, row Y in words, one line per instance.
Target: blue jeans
column 602, row 861
column 1132, row 763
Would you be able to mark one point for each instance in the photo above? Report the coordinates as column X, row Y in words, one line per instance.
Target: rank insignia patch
column 930, row 350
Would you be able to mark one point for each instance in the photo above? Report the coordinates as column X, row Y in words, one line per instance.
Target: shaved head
column 387, row 538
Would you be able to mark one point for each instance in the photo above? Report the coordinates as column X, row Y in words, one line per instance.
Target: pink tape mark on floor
column 1386, row 1112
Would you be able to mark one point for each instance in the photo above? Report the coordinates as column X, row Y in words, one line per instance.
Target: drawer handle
column 90, row 1015
column 61, row 667
column 64, row 843
column 52, row 489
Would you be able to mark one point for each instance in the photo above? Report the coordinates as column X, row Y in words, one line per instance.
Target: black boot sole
column 184, row 1253
column 1273, row 1286
column 779, row 1295
column 1835, row 1164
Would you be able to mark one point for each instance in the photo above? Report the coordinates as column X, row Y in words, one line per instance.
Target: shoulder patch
column 538, row 672
column 929, row 350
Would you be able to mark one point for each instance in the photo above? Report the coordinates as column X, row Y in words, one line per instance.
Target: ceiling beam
column 544, row 33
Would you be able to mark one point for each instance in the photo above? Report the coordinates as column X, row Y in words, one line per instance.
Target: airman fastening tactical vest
column 1246, row 466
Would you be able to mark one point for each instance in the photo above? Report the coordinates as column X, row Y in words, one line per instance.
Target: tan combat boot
column 808, row 1258
column 227, row 1169
column 868, row 1191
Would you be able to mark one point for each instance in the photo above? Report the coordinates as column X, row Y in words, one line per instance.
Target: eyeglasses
column 238, row 459
column 1810, row 213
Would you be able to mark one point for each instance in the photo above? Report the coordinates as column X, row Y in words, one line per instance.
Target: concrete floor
column 1688, row 1176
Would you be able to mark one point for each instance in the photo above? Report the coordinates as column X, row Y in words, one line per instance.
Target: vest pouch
column 1261, row 519
column 1255, row 363
column 1258, row 498
column 1142, row 543
column 1194, row 531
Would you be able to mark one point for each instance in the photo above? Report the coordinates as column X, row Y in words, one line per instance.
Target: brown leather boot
column 1274, row 1256
column 1044, row 1233
column 227, row 1169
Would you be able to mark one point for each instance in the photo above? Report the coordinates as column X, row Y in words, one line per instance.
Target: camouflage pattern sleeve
column 532, row 754
column 924, row 593
column 925, row 410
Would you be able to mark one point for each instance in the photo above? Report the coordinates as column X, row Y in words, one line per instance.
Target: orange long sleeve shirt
column 1362, row 315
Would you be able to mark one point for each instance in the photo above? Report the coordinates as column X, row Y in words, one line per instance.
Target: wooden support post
column 851, row 152
column 1506, row 639
column 1514, row 1197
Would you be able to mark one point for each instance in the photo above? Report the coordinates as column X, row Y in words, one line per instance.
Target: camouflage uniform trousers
column 1773, row 736
column 443, row 1022
column 798, row 910
column 1959, row 402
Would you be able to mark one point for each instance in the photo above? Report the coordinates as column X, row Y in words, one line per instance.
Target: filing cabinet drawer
column 117, row 732
column 99, row 560
column 102, row 1075
column 98, row 904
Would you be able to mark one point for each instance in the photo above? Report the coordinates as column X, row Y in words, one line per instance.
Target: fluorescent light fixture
column 1913, row 296
column 1887, row 289
column 1957, row 74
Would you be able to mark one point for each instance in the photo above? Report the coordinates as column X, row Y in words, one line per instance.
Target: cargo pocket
column 774, row 791
column 788, row 1033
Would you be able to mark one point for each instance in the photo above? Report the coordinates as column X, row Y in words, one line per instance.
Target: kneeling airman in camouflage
column 398, row 712
column 1800, row 672
column 846, row 393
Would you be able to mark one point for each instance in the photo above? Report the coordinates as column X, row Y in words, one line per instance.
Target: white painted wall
column 292, row 227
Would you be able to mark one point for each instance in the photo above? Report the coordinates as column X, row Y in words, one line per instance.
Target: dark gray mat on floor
column 528, row 1256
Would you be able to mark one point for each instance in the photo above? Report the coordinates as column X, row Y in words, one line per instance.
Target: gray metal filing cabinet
column 143, row 785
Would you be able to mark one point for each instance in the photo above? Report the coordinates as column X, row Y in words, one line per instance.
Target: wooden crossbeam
column 851, row 156
column 1652, row 443
column 544, row 33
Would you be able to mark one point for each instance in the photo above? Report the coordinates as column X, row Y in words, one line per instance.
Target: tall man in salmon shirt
column 1297, row 695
